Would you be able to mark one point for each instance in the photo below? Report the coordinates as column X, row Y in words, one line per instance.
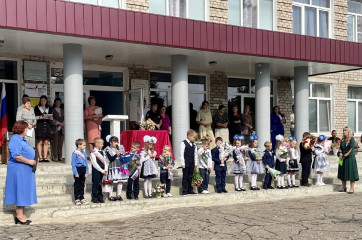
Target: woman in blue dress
column 276, row 124
column 20, row 186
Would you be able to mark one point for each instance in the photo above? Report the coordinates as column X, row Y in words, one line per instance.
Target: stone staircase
column 55, row 194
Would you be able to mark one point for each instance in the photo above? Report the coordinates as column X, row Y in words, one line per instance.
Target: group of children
column 112, row 167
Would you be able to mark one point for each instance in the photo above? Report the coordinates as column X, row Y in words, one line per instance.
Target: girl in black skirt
column 292, row 166
column 43, row 133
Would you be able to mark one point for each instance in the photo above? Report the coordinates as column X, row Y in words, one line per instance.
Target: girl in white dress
column 149, row 169
column 321, row 163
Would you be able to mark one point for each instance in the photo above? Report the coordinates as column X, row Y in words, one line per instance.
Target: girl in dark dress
column 305, row 161
column 42, row 131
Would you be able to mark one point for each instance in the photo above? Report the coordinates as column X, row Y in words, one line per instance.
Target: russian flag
column 3, row 116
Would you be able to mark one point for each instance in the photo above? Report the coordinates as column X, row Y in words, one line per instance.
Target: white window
column 160, row 88
column 104, row 3
column 320, row 107
column 251, row 13
column 193, row 9
column 241, row 92
column 355, row 108
column 354, row 21
column 312, row 17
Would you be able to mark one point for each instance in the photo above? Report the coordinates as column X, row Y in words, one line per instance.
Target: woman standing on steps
column 348, row 171
column 20, row 188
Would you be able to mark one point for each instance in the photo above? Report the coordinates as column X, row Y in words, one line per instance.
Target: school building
column 256, row 52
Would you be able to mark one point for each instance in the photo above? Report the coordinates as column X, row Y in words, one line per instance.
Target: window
column 241, row 92
column 104, row 3
column 354, row 21
column 355, row 108
column 160, row 87
column 193, row 9
column 312, row 17
column 320, row 108
column 9, row 75
column 251, row 13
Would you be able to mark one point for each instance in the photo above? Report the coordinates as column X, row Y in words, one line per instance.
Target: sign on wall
column 35, row 90
column 35, row 71
column 138, row 84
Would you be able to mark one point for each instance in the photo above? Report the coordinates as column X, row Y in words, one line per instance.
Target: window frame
column 357, row 101
column 121, row 3
column 318, row 99
column 319, row 8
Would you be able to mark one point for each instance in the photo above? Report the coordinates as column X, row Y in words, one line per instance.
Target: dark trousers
column 305, row 172
column 57, row 146
column 96, row 187
column 268, row 179
column 220, row 180
column 187, row 179
column 164, row 180
column 205, row 174
column 79, row 184
column 136, row 187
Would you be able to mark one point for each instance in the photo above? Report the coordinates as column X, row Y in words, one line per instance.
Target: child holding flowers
column 281, row 153
column 166, row 163
column 292, row 166
column 238, row 167
column 306, row 148
column 220, row 167
column 255, row 166
column 148, row 170
column 205, row 165
column 321, row 163
column 134, row 172
column 268, row 161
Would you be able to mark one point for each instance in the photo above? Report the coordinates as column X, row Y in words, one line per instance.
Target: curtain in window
column 297, row 20
column 178, row 8
column 313, row 116
column 234, row 12
column 351, row 34
column 352, row 115
column 197, row 9
column 250, row 13
column 110, row 3
column 323, row 24
column 324, row 116
column 359, row 28
column 302, row 1
column 310, row 21
column 354, row 7
column 355, row 92
column 322, row 3
column 266, row 14
column 158, row 7
column 321, row 90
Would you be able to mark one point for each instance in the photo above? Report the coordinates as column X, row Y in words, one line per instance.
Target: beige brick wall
column 340, row 19
column 218, row 90
column 218, row 11
column 285, row 101
column 138, row 5
column 285, row 16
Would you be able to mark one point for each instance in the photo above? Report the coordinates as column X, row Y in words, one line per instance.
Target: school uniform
column 166, row 175
column 80, row 168
column 306, row 162
column 268, row 159
column 99, row 166
column 293, row 161
column 280, row 164
column 114, row 173
column 321, row 163
column 203, row 168
column 220, row 171
column 188, row 157
column 133, row 180
column 238, row 157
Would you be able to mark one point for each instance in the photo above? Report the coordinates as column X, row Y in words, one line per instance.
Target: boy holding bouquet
column 220, row 167
column 166, row 163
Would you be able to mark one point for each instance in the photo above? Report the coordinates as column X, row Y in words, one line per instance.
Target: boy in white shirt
column 99, row 169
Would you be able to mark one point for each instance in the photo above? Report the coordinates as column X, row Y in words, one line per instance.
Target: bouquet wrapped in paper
column 106, row 185
column 244, row 149
column 309, row 142
column 336, row 144
column 158, row 190
column 196, row 178
column 283, row 152
column 147, row 125
column 258, row 153
column 225, row 151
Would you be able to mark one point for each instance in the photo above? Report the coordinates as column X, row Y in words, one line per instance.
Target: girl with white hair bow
column 149, row 169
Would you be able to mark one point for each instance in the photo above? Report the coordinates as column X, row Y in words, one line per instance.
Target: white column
column 180, row 101
column 73, row 97
column 301, row 101
column 262, row 102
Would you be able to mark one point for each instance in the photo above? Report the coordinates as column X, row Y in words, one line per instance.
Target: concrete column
column 262, row 102
column 180, row 101
column 73, row 97
column 301, row 101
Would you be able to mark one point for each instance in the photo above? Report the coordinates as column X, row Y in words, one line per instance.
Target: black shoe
column 343, row 190
column 280, row 187
column 284, row 187
column 27, row 222
column 119, row 198
column 192, row 193
column 146, row 196
column 150, row 196
column 270, row 187
column 95, row 200
column 290, row 186
column 257, row 188
column 295, row 186
column 101, row 200
column 219, row 191
column 224, row 191
column 265, row 187
column 129, row 198
column 184, row 194
column 112, row 199
column 351, row 192
column 136, row 198
column 243, row 189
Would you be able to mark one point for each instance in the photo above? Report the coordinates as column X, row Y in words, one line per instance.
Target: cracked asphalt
column 336, row 216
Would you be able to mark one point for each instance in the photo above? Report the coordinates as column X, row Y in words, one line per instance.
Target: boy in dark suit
column 268, row 161
column 219, row 167
column 189, row 158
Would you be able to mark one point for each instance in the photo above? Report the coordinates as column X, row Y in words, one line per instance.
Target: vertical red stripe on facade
column 253, row 41
column 355, row 55
column 328, row 50
column 69, row 18
column 318, row 56
column 204, row 35
column 122, row 25
column 270, row 44
column 235, row 41
column 303, row 48
column 146, row 32
column 97, row 21
column 41, row 15
column 138, row 27
column 346, row 53
column 113, row 18
column 168, row 31
column 3, row 13
column 229, row 38
column 11, row 8
column 161, row 27
column 247, row 44
column 175, row 32
column 60, row 9
column 265, row 43
column 197, row 34
column 308, row 43
column 360, row 51
column 294, row 45
column 79, row 19
column 88, row 23
column 21, row 21
column 333, row 51
column 323, row 49
column 190, row 34
column 154, row 28
column 287, row 46
column 223, row 38
column 297, row 49
column 106, row 29
column 259, row 43
column 183, row 32
column 312, row 49
column 281, row 44
column 210, row 35
column 51, row 17
column 216, row 37
column 241, row 41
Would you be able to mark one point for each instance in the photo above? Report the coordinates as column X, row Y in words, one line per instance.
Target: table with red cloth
column 129, row 136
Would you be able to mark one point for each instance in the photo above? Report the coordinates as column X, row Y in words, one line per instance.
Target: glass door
column 134, row 107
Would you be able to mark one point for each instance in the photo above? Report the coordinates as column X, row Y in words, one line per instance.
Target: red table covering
column 129, row 136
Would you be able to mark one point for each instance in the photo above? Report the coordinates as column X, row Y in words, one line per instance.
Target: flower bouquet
column 147, row 125
column 309, row 142
column 106, row 185
column 244, row 149
column 258, row 153
column 283, row 152
column 158, row 191
column 196, row 178
column 225, row 151
column 335, row 146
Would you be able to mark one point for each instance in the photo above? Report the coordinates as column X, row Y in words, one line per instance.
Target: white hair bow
column 279, row 137
column 108, row 137
column 146, row 138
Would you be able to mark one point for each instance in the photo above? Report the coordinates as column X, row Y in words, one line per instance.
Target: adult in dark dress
column 235, row 123
column 276, row 124
column 43, row 131
column 305, row 161
column 349, row 170
column 154, row 116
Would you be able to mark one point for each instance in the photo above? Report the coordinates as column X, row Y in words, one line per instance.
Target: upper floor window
column 355, row 108
column 193, row 9
column 251, row 13
column 320, row 101
column 104, row 3
column 312, row 17
column 354, row 21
